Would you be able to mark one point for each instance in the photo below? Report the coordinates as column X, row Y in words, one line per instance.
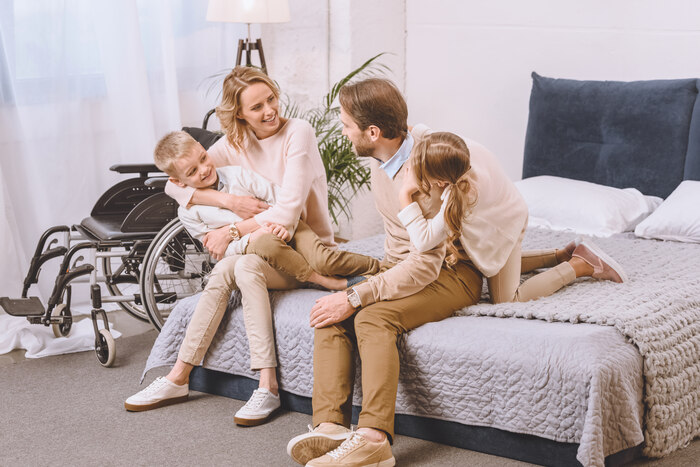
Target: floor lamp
column 248, row 12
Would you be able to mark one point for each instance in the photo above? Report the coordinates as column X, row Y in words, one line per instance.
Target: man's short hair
column 170, row 148
column 378, row 102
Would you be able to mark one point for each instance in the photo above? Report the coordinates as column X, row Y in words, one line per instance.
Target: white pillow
column 678, row 218
column 583, row 207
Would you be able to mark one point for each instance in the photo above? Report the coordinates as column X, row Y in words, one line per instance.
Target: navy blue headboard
column 641, row 134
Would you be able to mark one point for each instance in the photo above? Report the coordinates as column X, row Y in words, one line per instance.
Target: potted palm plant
column 345, row 174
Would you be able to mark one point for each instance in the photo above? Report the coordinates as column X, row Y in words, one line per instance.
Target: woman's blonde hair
column 240, row 78
column 443, row 156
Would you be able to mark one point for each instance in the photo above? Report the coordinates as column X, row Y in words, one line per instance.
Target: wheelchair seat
column 108, row 228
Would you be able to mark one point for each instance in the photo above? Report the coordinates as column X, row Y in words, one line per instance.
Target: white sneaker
column 258, row 408
column 159, row 393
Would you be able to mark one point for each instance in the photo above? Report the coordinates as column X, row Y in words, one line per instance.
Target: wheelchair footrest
column 26, row 307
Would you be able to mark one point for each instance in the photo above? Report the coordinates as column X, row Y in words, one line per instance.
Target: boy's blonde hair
column 240, row 78
column 170, row 148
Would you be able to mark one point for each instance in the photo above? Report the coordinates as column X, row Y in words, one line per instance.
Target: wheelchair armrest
column 142, row 169
column 157, row 182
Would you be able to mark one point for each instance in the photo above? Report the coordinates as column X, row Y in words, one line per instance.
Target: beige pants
column 306, row 253
column 374, row 331
column 505, row 286
column 253, row 276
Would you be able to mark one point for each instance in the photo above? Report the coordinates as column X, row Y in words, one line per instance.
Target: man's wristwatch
column 354, row 298
column 233, row 231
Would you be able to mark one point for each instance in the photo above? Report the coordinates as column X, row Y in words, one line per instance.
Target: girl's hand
column 278, row 230
column 409, row 187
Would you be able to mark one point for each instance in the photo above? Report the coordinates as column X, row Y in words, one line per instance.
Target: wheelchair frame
column 134, row 238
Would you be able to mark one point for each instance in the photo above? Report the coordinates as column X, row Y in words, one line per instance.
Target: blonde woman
column 483, row 218
column 285, row 153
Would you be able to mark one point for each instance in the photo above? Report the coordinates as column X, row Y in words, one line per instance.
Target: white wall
column 468, row 63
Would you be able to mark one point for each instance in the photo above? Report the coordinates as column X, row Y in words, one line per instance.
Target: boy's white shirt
column 235, row 180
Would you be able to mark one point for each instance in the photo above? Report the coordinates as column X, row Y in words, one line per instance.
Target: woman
column 484, row 217
column 285, row 152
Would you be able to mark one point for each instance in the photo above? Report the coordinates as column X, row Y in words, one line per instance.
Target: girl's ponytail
column 443, row 156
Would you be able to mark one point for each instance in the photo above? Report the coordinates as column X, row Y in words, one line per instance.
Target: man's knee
column 371, row 322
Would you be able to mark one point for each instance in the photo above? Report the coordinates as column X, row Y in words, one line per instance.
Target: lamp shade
column 248, row 11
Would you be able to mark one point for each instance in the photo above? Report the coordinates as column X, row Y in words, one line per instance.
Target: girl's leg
column 505, row 286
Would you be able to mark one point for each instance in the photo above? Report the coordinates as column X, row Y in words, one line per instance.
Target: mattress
column 574, row 373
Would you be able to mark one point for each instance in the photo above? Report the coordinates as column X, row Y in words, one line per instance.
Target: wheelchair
column 132, row 250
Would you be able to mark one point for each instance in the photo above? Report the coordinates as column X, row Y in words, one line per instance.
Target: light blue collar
column 393, row 165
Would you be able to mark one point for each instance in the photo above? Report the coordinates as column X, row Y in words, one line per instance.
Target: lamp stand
column 248, row 46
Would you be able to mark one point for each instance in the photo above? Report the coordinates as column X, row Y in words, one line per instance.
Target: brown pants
column 505, row 286
column 306, row 253
column 374, row 330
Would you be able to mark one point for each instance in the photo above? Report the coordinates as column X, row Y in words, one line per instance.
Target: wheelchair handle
column 142, row 169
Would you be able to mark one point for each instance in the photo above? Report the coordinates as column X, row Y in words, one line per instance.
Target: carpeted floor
column 68, row 410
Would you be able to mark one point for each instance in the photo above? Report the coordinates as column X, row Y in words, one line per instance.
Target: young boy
column 188, row 164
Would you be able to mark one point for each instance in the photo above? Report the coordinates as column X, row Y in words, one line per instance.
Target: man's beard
column 363, row 148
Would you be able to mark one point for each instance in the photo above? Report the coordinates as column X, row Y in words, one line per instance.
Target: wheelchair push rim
column 175, row 267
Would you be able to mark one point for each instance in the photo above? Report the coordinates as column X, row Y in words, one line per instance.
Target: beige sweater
column 491, row 228
column 413, row 270
column 290, row 159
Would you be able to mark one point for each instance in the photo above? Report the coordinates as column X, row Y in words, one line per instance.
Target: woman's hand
column 409, row 187
column 330, row 309
column 216, row 241
column 277, row 230
column 245, row 207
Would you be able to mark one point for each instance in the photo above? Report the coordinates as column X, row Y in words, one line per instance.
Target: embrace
column 258, row 200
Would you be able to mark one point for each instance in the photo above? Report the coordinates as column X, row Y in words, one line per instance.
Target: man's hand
column 330, row 309
column 277, row 230
column 245, row 206
column 216, row 241
column 409, row 186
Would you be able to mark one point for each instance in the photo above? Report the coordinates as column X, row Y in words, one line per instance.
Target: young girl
column 483, row 218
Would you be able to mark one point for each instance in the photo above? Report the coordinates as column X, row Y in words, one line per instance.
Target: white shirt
column 235, row 180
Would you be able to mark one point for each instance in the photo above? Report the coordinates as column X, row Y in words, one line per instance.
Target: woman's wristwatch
column 233, row 231
column 354, row 298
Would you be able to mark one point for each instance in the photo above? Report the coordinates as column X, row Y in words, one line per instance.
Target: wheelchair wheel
column 105, row 349
column 175, row 266
column 61, row 330
column 109, row 265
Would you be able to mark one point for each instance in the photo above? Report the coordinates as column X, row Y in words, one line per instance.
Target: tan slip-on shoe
column 159, row 393
column 316, row 442
column 604, row 267
column 357, row 451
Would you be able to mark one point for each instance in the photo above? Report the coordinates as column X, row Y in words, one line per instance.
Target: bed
column 598, row 373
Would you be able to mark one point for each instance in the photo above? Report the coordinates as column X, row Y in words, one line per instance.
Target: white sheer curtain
column 84, row 85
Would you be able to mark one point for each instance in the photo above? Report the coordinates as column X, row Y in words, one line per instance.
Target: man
column 412, row 289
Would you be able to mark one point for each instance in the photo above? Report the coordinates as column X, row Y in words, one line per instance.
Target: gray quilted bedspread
column 575, row 371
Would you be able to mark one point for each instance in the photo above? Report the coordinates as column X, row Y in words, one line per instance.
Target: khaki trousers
column 505, row 286
column 306, row 253
column 374, row 330
column 253, row 276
